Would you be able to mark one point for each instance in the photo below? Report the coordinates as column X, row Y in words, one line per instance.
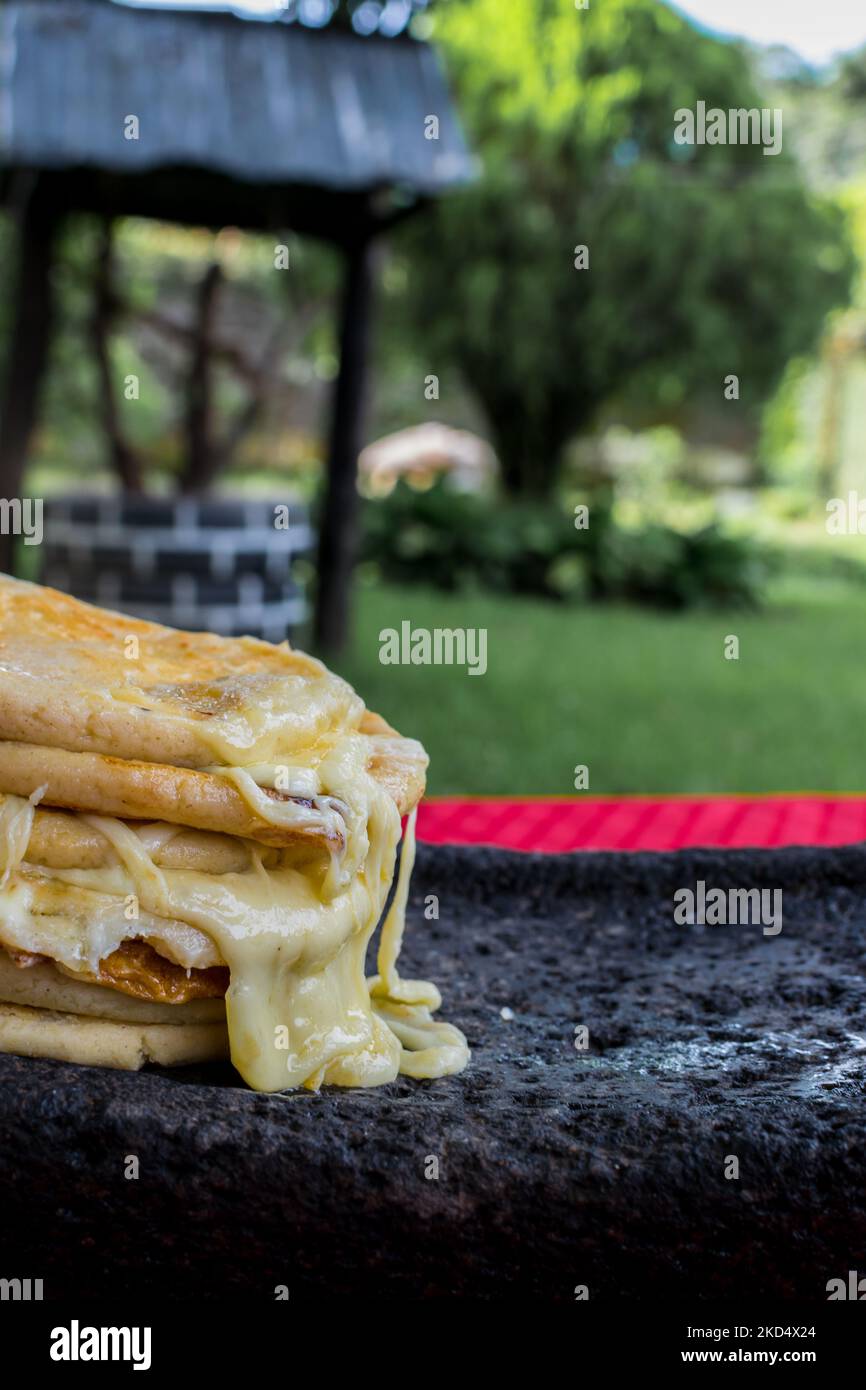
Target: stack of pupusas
column 198, row 836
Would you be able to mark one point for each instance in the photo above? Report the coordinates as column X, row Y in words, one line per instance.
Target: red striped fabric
column 644, row 823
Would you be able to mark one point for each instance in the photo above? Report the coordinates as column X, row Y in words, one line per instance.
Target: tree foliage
column 703, row 261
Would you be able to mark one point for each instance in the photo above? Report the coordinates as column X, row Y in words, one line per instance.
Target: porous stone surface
column 557, row 1166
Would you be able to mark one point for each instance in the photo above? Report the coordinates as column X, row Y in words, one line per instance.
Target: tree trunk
column 338, row 534
column 38, row 223
column 201, row 464
column 529, row 449
column 124, row 459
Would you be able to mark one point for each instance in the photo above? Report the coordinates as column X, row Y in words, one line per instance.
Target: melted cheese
column 16, row 825
column 340, row 788
column 299, row 1008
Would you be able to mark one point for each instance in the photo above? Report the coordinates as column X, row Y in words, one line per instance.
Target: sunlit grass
column 645, row 699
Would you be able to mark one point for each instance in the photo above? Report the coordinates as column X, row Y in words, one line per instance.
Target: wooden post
column 338, row 534
column 124, row 459
column 200, row 441
column 38, row 222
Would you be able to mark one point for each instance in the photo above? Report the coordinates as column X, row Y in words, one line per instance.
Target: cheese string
column 391, row 940
column 136, row 859
column 388, row 983
column 428, row 1048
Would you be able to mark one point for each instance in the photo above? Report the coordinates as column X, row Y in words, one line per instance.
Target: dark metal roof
column 263, row 103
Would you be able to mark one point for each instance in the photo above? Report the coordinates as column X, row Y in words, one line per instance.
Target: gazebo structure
column 267, row 125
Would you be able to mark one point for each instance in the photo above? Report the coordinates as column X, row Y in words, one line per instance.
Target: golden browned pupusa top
column 77, row 677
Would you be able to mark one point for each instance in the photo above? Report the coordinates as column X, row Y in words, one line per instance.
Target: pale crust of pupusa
column 135, row 790
column 98, row 1042
column 62, row 840
column 139, row 791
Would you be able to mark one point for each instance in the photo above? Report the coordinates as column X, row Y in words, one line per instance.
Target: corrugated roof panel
column 270, row 103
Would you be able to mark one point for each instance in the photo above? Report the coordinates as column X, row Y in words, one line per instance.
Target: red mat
column 644, row 823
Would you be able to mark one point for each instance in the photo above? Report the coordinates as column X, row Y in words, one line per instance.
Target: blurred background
column 599, row 387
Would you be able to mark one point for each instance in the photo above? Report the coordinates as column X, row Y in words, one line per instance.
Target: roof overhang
column 238, row 121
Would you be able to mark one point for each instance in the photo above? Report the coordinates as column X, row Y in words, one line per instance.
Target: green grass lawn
column 645, row 699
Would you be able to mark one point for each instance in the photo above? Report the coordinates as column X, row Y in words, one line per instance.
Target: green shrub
column 449, row 540
column 669, row 569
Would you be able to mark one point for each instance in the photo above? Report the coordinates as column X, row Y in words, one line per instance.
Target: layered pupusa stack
column 198, row 836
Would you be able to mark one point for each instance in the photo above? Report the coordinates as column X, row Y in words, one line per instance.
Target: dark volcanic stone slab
column 557, row 1167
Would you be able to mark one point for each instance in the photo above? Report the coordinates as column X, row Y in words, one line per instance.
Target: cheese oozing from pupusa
column 299, row 1008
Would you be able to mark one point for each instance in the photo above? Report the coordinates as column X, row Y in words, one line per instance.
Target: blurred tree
column 703, row 260
column 134, row 314
column 852, row 75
